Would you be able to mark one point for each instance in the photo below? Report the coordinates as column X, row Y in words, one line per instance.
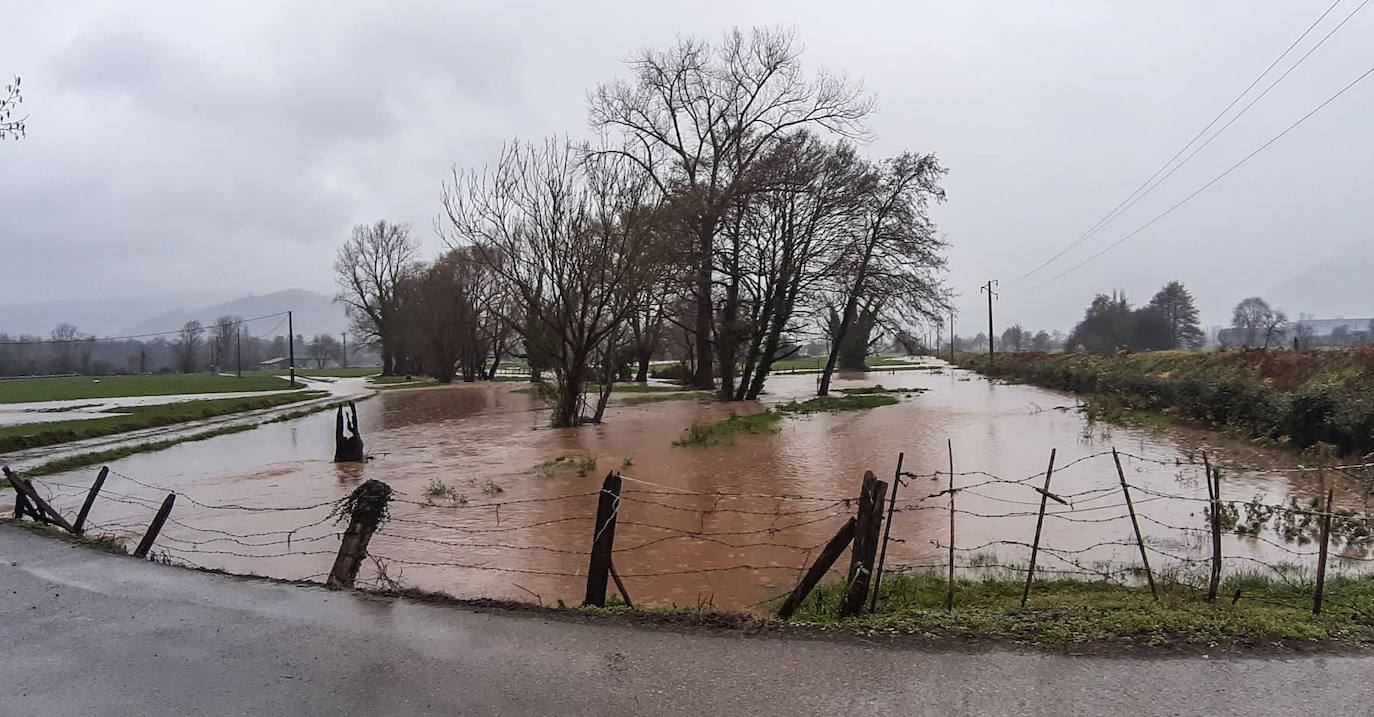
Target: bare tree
column 893, row 261
column 573, row 238
column 188, row 345
column 322, row 349
column 1252, row 318
column 9, row 99
column 369, row 267
column 62, row 344
column 222, row 337
column 697, row 119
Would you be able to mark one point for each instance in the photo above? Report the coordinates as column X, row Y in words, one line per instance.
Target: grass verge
column 661, row 397
column 1068, row 612
column 705, row 434
column 37, row 435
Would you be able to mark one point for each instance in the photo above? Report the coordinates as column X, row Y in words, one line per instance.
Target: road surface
column 88, row 633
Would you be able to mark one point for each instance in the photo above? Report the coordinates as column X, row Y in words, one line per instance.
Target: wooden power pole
column 988, row 288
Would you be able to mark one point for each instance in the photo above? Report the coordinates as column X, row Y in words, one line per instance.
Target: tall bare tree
column 574, row 239
column 222, row 338
column 62, row 346
column 698, row 118
column 369, row 268
column 188, row 346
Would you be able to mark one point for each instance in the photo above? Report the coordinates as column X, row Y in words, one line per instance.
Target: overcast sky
column 228, row 148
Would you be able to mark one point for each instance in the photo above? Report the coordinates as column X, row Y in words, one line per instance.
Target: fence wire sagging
column 1085, row 519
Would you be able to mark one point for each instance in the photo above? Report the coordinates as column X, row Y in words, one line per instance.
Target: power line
column 1201, row 189
column 1146, row 187
column 240, row 322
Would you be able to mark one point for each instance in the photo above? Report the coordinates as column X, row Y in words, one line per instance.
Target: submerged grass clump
column 705, row 434
column 833, row 404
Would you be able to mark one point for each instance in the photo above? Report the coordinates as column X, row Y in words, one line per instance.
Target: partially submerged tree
column 369, row 268
column 893, row 258
column 576, row 240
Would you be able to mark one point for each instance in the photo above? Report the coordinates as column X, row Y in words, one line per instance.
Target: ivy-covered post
column 366, row 510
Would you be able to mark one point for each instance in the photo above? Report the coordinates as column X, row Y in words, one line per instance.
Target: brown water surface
column 509, row 537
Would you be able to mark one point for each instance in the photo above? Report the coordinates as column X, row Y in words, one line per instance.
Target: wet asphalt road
column 92, row 634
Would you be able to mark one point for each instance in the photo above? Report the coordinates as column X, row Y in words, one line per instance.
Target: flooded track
column 515, row 526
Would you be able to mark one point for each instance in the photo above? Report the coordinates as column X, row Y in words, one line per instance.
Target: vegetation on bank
column 1297, row 398
column 67, row 388
column 1065, row 612
column 37, row 435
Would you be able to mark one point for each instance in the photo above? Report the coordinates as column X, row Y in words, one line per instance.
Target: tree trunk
column 705, row 313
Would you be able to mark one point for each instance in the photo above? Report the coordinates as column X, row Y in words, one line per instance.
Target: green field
column 36, row 435
column 26, row 390
column 336, row 372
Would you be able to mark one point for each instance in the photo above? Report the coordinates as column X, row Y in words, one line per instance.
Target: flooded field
column 487, row 510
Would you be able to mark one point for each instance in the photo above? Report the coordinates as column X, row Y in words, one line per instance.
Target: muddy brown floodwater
column 508, row 528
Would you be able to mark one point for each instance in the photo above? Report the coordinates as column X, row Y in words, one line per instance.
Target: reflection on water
column 483, row 443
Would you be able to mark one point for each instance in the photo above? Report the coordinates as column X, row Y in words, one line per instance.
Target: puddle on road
column 485, row 441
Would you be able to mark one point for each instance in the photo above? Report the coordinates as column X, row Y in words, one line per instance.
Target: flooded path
column 513, row 522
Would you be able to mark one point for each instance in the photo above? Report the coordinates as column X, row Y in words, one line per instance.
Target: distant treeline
column 222, row 347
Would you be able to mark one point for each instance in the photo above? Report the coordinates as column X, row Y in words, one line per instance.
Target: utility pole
column 344, row 358
column 291, row 342
column 951, row 334
column 238, row 348
column 988, row 288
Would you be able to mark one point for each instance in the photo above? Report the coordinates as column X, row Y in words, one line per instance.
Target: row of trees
column 1169, row 321
column 724, row 209
column 220, row 347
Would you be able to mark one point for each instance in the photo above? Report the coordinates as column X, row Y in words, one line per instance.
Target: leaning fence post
column 1130, row 507
column 366, row 510
column 1214, row 497
column 868, row 523
column 80, row 525
column 887, row 533
column 829, row 554
column 1039, row 521
column 1321, row 555
column 40, row 507
column 155, row 527
column 603, row 541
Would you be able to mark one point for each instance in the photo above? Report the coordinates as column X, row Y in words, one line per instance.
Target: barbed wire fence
column 1127, row 534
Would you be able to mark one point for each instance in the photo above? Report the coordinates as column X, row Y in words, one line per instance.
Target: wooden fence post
column 887, row 533
column 1130, row 507
column 80, row 525
column 155, row 527
column 366, row 510
column 46, row 513
column 867, row 525
column 603, row 540
column 1039, row 522
column 1214, row 500
column 949, row 596
column 1321, row 555
column 829, row 554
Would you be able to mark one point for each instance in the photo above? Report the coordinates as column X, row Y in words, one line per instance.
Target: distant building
column 1313, row 333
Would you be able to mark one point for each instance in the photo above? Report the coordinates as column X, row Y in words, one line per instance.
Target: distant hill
column 101, row 317
column 312, row 314
column 1336, row 287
